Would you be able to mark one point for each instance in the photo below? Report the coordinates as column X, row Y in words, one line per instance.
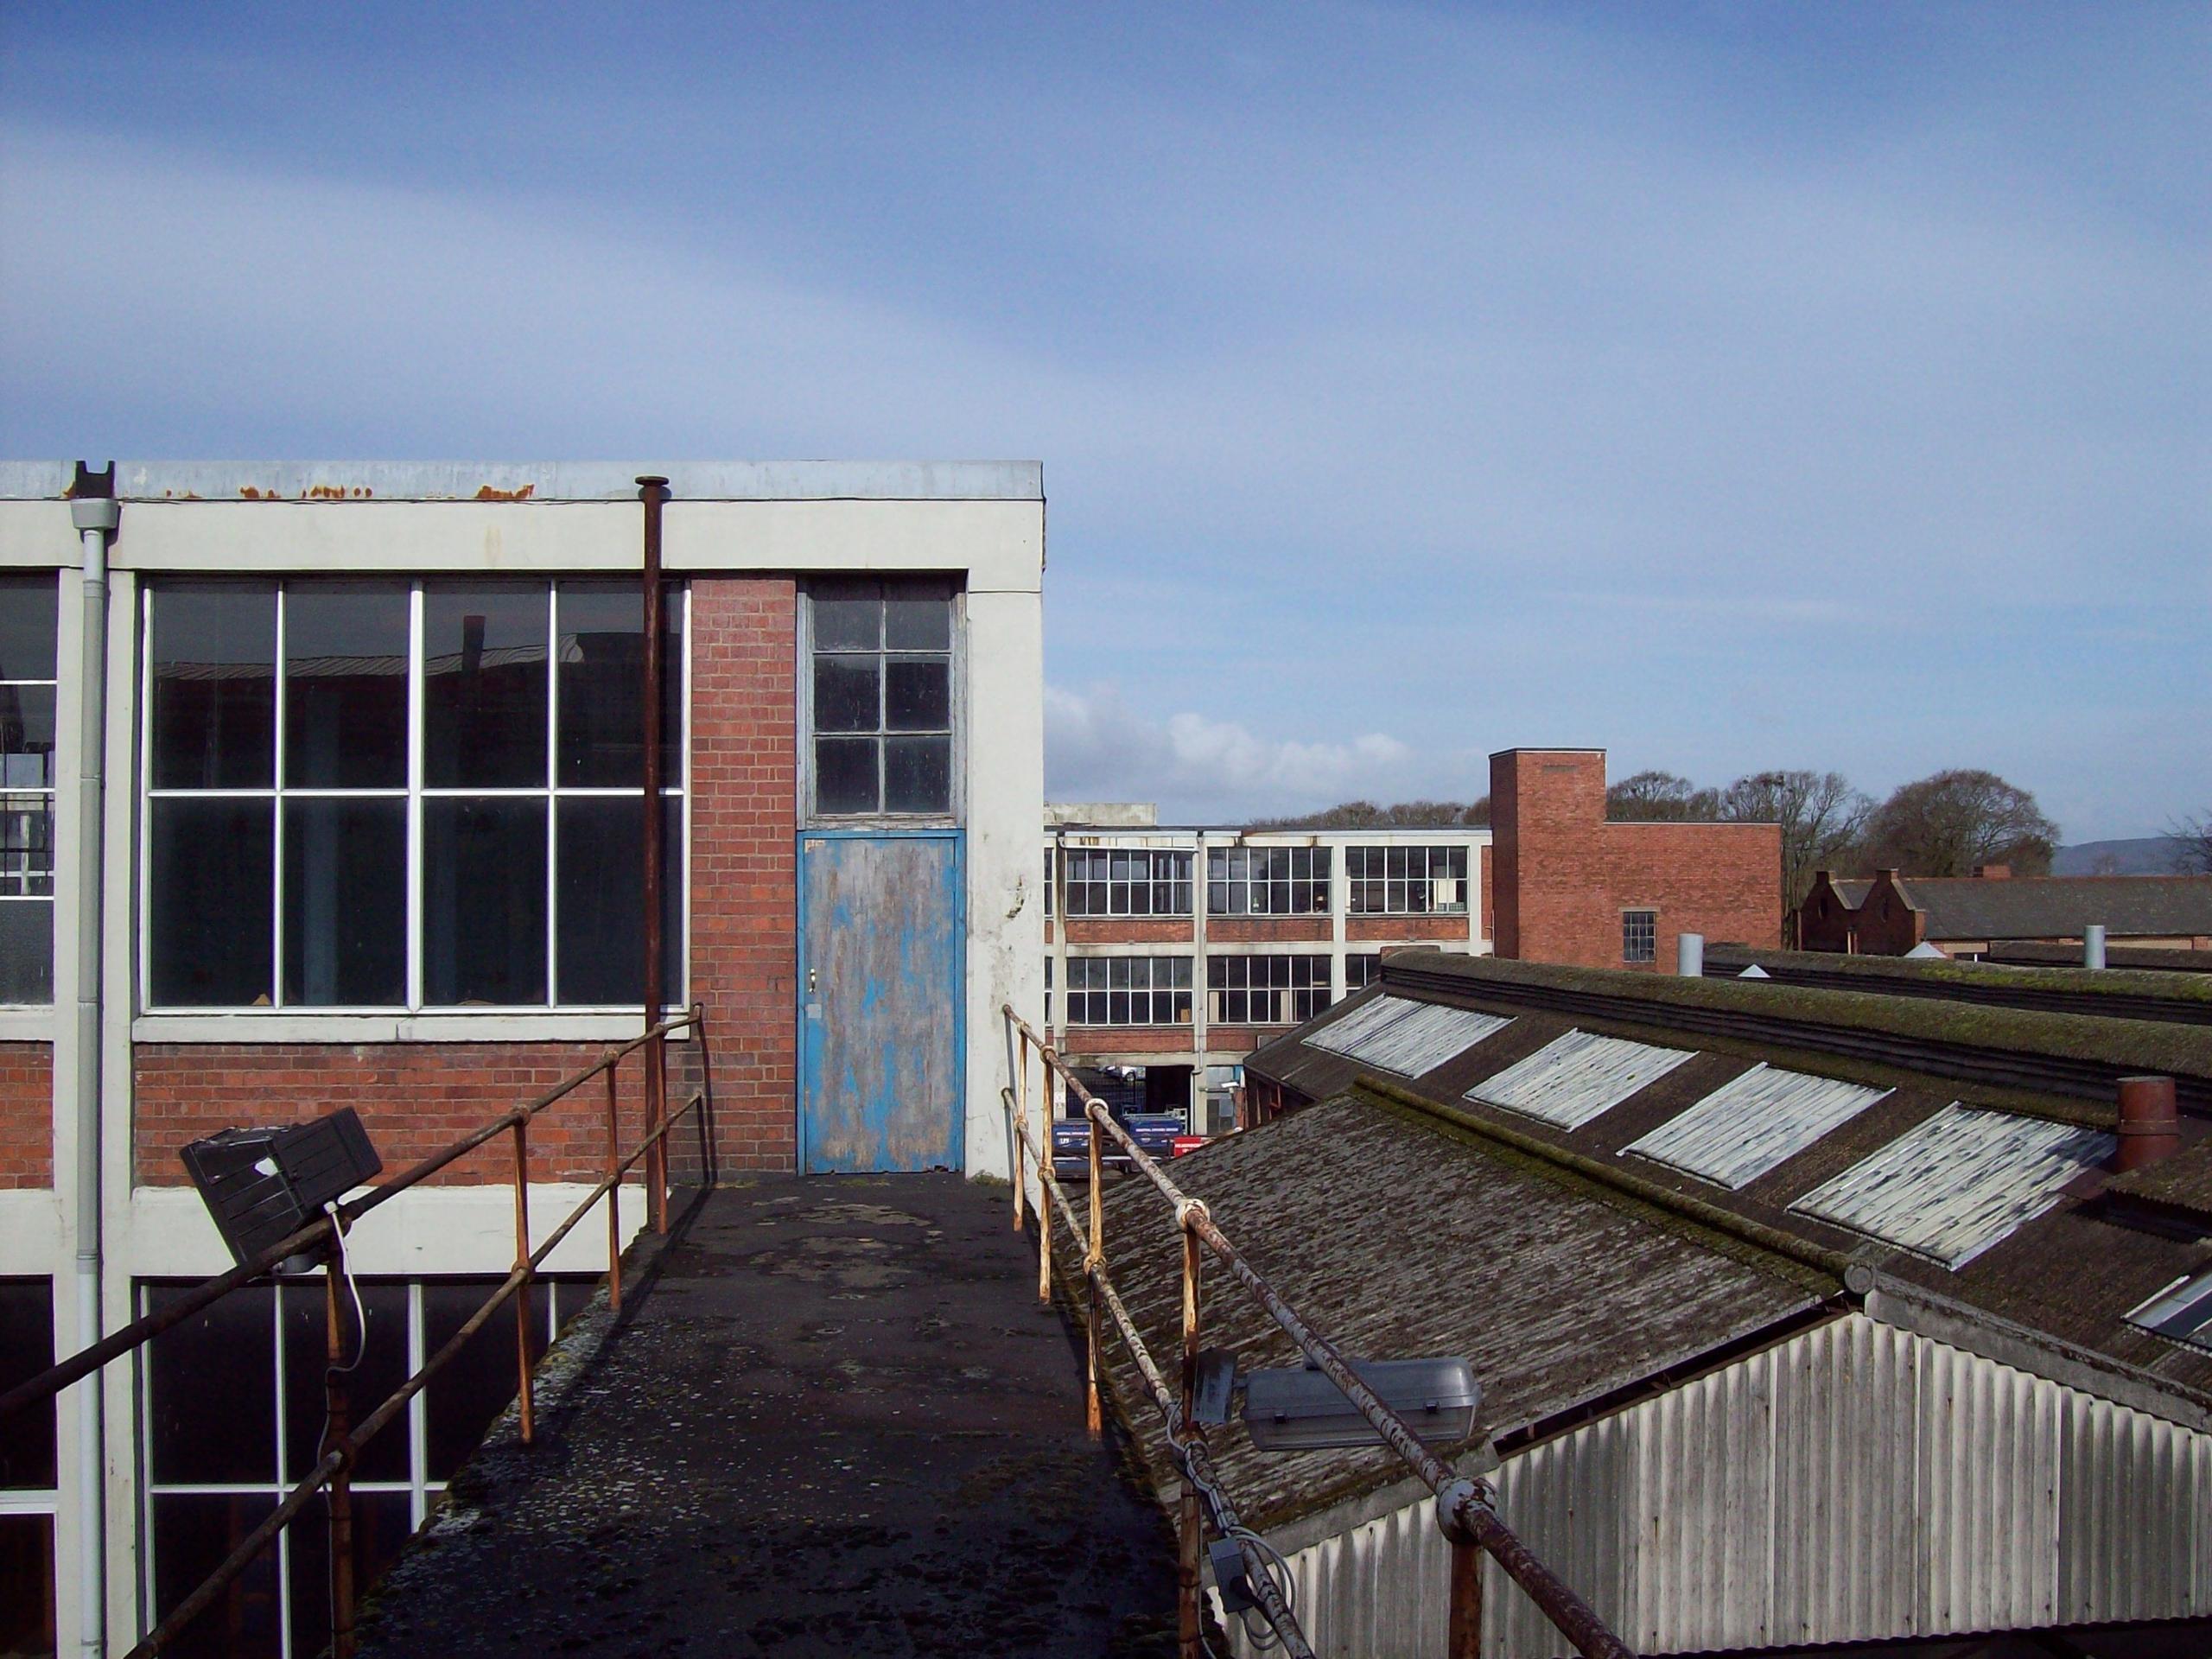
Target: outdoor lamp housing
column 1303, row 1411
column 261, row 1185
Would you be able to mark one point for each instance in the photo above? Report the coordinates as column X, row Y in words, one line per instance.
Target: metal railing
column 342, row 1443
column 1466, row 1510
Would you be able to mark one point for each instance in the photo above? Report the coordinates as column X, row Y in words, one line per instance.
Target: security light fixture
column 261, row 1185
column 1304, row 1411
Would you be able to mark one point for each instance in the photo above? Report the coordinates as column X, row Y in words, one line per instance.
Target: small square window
column 1639, row 936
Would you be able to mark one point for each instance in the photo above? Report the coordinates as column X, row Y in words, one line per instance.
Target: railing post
column 1095, row 1264
column 522, row 1291
column 1020, row 1147
column 1465, row 1639
column 613, row 1194
column 1190, row 1641
column 337, row 1407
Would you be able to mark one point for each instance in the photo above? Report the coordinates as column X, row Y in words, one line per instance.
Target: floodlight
column 261, row 1185
column 1303, row 1410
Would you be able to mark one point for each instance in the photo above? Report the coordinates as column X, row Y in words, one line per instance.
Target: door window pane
column 917, row 623
column 918, row 774
column 483, row 652
column 861, row 693
column 344, row 902
column 846, row 623
column 918, row 694
column 346, row 685
column 213, row 894
column 226, row 1352
column 601, row 653
column 846, row 694
column 600, row 888
column 26, row 1349
column 844, row 775
column 214, row 690
column 484, row 901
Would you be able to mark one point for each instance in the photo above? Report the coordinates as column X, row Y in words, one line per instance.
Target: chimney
column 2150, row 1127
column 1992, row 871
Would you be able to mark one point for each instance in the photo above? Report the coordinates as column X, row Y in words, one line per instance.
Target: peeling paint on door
column 881, row 930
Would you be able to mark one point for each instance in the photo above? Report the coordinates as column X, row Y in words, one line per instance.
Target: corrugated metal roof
column 1751, row 1123
column 1400, row 1035
column 1959, row 1183
column 1573, row 1078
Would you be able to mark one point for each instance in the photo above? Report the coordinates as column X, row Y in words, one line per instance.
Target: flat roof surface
column 539, row 480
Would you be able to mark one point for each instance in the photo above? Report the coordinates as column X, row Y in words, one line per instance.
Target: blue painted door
column 882, row 931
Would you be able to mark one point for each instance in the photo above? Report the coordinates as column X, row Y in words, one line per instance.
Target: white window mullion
column 552, row 790
column 416, row 716
column 283, row 1534
column 276, row 822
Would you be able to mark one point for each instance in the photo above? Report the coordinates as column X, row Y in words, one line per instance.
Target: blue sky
column 1728, row 387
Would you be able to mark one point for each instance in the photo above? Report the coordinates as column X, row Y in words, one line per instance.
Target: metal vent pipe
column 2093, row 945
column 2150, row 1123
column 1689, row 955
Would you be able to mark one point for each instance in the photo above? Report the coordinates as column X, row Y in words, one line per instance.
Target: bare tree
column 1661, row 798
column 1404, row 815
column 1948, row 823
column 2192, row 839
column 1821, row 817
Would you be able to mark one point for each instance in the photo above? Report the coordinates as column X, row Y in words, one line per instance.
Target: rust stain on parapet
column 487, row 494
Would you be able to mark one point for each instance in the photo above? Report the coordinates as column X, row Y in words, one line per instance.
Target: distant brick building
column 1970, row 916
column 1572, row 887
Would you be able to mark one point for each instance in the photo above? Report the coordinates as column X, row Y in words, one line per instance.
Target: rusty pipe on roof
column 2150, row 1123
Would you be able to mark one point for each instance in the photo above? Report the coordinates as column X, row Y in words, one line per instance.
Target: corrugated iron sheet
column 1959, row 1183
column 1573, row 1078
column 1857, row 1482
column 1751, row 1123
column 1399, row 1034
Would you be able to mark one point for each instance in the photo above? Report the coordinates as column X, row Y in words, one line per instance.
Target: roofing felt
column 1576, row 1077
column 1404, row 1036
column 1401, row 1238
column 1753, row 1121
column 2054, row 906
column 1959, row 1183
column 2183, row 1181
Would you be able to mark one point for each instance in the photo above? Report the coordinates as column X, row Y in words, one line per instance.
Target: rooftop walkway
column 832, row 1419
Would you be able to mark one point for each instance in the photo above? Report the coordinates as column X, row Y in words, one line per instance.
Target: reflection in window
column 28, row 1499
column 27, row 715
column 1128, row 991
column 1361, row 970
column 1407, row 880
column 1266, row 990
column 314, row 843
column 1267, row 880
column 879, row 696
column 1112, row 882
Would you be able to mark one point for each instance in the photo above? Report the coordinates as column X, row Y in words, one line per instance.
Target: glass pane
column 26, row 1349
column 214, row 692
column 483, row 902
column 845, row 695
column 918, row 774
column 382, row 1368
column 600, row 884
column 345, row 903
column 29, row 607
column 211, row 1386
column 26, row 736
column 846, row 623
column 844, row 775
column 918, row 695
column 346, row 685
column 27, row 844
column 484, row 648
column 602, row 676
column 214, row 889
column 27, row 1586
column 193, row 1534
column 382, row 1523
column 917, row 623
column 476, row 1385
column 26, row 951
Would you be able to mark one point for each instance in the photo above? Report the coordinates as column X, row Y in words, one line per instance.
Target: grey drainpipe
column 95, row 513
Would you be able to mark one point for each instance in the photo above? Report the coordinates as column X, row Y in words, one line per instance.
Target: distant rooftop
column 538, row 481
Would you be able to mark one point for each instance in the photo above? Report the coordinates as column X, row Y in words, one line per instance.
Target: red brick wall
column 1490, row 901
column 1127, row 929
column 1245, row 929
column 26, row 1115
column 416, row 1097
column 1392, row 929
column 1564, row 874
column 1127, row 1039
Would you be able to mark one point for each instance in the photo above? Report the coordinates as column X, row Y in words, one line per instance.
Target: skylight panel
column 1575, row 1077
column 1959, row 1183
column 2182, row 1311
column 1752, row 1123
column 1396, row 1033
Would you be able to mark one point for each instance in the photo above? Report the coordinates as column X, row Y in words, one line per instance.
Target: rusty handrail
column 1466, row 1507
column 1265, row 1590
column 332, row 1469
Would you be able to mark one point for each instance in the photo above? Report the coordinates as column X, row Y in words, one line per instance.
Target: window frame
column 1397, row 891
column 956, row 596
column 1238, row 879
column 52, row 792
column 1085, row 968
column 1120, row 889
column 1318, row 992
column 414, row 792
column 1629, row 916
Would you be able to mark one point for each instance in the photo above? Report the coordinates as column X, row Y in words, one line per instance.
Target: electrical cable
column 338, row 1265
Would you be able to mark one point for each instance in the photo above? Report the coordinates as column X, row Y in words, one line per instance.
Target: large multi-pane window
column 27, row 1473
column 1267, row 880
column 26, row 717
column 1639, row 935
column 373, row 794
column 1128, row 991
column 233, row 1416
column 1407, row 880
column 880, row 698
column 1113, row 882
column 1266, row 990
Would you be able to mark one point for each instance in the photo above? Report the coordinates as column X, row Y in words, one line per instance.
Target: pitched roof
column 2053, row 906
